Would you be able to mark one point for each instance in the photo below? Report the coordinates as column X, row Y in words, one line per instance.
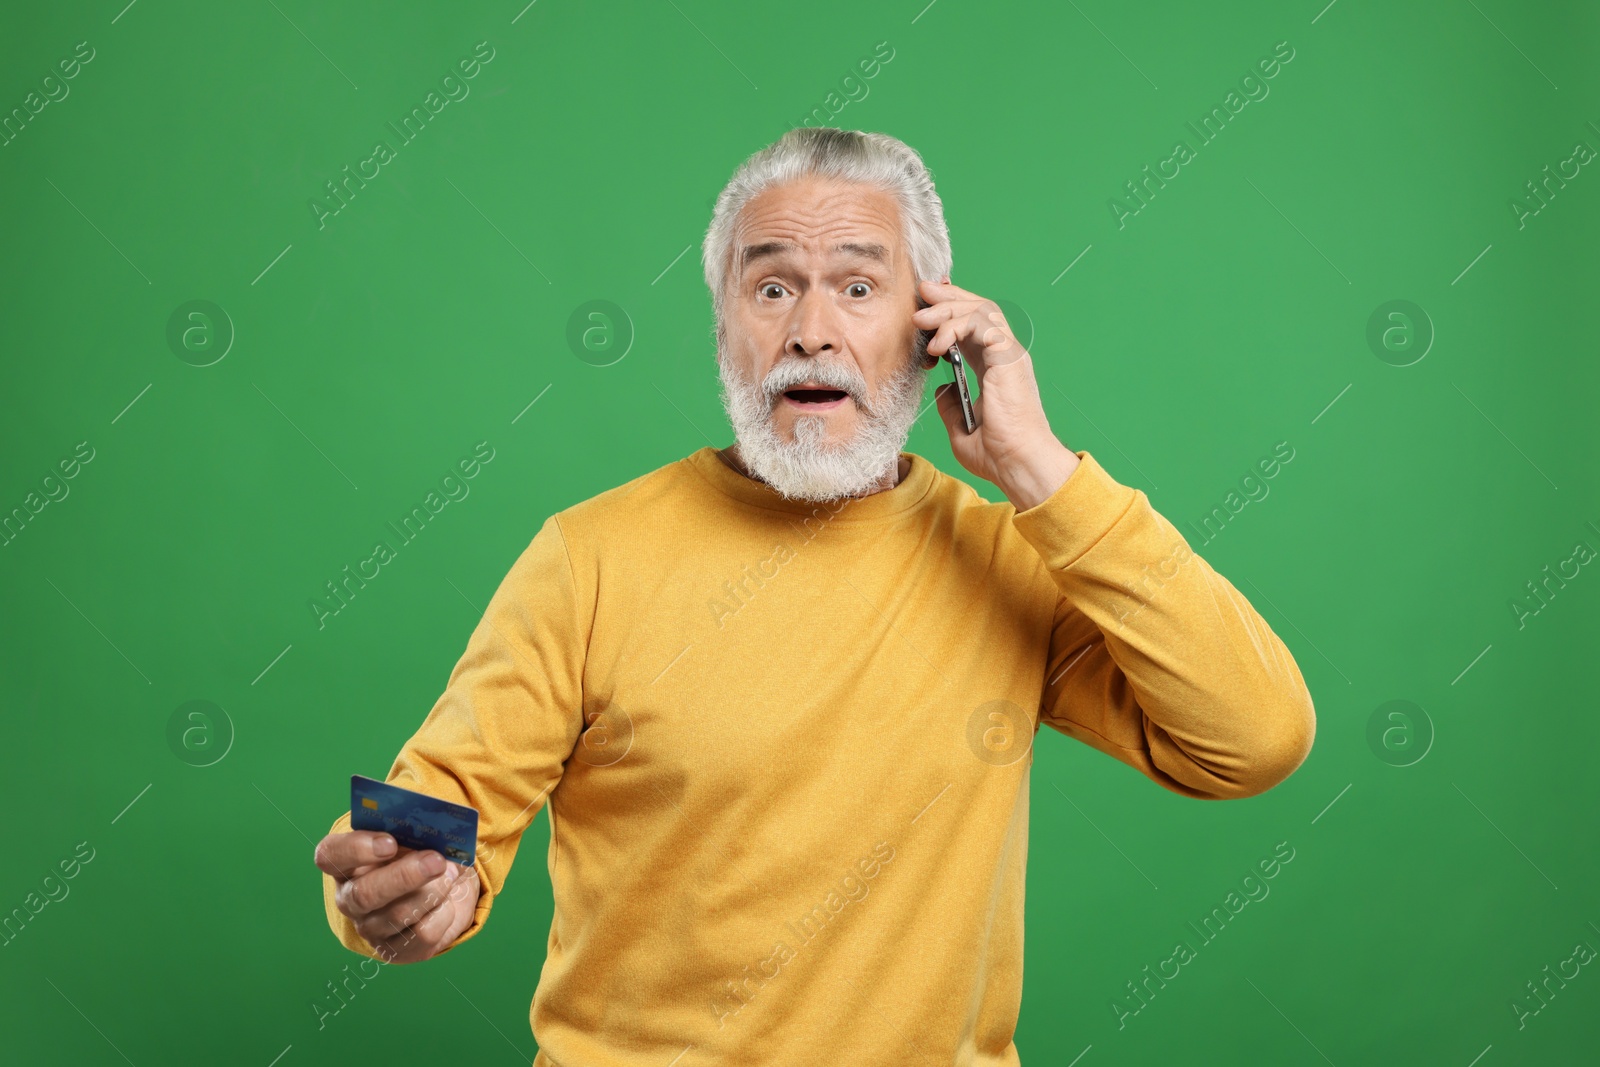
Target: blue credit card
column 414, row 819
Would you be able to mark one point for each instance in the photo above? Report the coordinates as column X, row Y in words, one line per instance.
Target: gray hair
column 873, row 159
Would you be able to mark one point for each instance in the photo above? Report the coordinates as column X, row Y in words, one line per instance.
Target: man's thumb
column 949, row 405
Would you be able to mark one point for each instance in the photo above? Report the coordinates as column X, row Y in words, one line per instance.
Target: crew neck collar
column 884, row 504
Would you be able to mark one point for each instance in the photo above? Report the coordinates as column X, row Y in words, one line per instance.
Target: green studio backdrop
column 1380, row 259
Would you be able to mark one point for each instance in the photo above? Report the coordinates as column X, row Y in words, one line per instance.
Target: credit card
column 414, row 819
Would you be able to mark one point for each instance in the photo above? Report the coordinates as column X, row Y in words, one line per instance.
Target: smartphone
column 969, row 416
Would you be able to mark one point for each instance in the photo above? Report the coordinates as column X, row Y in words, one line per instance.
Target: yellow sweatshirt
column 785, row 749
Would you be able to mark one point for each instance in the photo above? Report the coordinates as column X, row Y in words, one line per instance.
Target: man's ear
column 925, row 361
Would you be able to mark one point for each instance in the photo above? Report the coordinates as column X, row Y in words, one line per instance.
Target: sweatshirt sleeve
column 499, row 736
column 1156, row 659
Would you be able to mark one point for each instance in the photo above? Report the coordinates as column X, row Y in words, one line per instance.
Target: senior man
column 779, row 698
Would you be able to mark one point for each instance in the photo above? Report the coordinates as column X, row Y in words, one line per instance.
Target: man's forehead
column 837, row 220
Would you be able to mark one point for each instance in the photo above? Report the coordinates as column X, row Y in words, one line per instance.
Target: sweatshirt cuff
column 1066, row 524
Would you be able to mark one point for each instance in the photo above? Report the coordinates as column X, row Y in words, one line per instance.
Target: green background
column 1228, row 315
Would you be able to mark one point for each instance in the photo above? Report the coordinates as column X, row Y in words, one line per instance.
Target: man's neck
column 731, row 457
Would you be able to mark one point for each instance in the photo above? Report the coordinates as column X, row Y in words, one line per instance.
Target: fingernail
column 384, row 846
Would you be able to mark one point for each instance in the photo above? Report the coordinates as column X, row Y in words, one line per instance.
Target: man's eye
column 858, row 285
column 767, row 290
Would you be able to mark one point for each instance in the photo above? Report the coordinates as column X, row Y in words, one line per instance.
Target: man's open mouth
column 808, row 396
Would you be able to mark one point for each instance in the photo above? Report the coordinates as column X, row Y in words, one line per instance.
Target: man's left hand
column 1013, row 446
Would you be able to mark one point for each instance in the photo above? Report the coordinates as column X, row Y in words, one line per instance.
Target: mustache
column 791, row 372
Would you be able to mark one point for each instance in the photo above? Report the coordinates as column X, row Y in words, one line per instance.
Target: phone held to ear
column 969, row 417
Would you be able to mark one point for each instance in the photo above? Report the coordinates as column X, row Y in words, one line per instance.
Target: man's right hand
column 408, row 904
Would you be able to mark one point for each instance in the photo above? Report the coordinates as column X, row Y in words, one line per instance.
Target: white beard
column 809, row 468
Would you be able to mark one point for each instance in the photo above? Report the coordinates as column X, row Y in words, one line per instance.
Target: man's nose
column 813, row 329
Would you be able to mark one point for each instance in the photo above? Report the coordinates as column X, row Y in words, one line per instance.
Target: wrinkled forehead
column 837, row 223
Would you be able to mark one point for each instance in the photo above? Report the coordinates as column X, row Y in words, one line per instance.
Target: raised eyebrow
column 753, row 254
column 863, row 251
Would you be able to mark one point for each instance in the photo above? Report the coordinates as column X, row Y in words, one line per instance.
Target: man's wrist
column 1037, row 473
